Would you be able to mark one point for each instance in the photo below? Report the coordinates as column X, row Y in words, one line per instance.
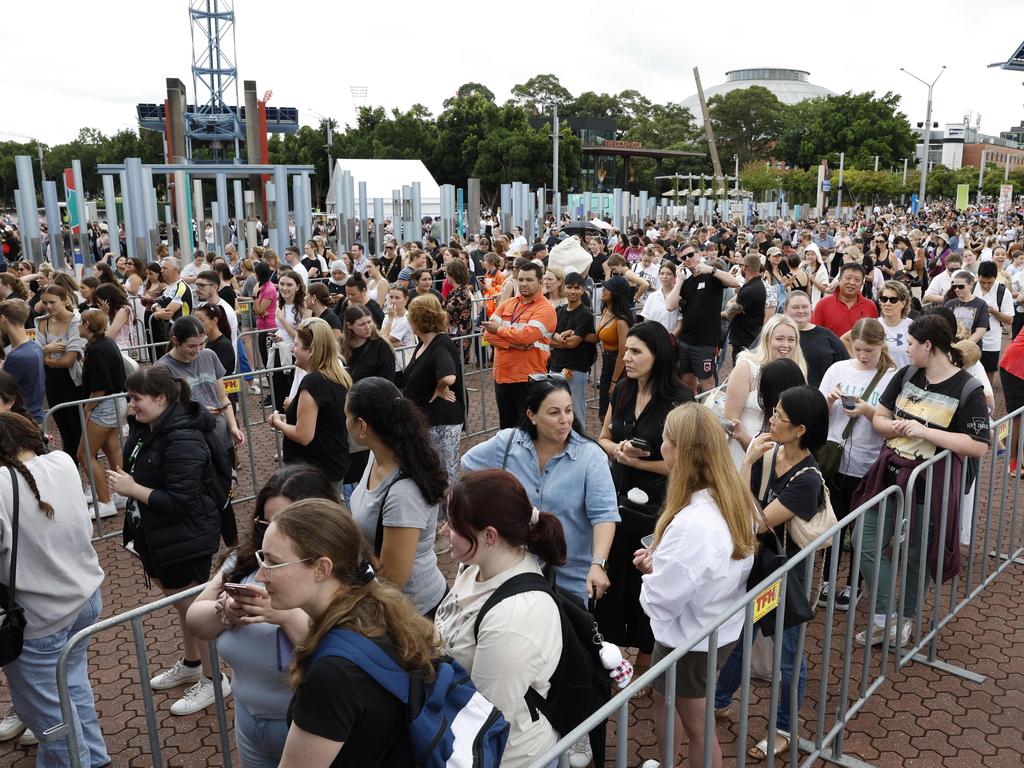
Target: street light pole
column 927, row 131
column 556, row 197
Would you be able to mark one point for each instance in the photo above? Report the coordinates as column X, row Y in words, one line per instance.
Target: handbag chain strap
column 14, row 541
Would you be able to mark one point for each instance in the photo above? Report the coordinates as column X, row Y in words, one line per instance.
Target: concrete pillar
column 52, row 205
column 473, row 206
column 110, row 199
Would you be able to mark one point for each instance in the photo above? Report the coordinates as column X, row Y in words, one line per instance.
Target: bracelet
column 600, row 565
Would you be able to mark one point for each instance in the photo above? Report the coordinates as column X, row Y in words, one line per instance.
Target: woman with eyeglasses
column 895, row 301
column 631, row 436
column 240, row 617
column 797, row 428
column 563, row 473
column 315, row 559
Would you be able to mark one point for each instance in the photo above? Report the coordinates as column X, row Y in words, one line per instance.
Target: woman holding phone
column 235, row 610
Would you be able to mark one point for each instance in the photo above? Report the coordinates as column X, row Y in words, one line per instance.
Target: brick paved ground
column 918, row 717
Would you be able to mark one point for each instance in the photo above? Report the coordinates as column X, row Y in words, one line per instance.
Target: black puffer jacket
column 181, row 520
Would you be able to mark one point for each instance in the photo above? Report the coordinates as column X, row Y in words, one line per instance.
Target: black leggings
column 61, row 389
column 605, row 382
column 841, row 488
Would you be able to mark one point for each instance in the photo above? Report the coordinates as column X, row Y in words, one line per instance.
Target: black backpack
column 580, row 684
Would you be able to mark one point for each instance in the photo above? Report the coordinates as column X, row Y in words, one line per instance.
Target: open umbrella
column 581, row 227
column 602, row 224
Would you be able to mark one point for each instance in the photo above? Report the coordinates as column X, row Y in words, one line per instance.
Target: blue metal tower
column 214, row 120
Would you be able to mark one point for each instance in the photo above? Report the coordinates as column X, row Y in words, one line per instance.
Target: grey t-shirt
column 405, row 507
column 201, row 375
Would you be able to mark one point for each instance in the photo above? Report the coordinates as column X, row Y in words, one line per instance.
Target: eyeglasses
column 259, row 522
column 776, row 417
column 203, row 285
column 959, row 287
column 261, row 561
column 890, row 299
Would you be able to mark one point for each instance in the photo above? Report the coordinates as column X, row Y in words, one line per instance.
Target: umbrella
column 602, row 224
column 581, row 227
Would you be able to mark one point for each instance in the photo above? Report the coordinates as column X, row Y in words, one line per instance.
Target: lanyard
column 523, row 306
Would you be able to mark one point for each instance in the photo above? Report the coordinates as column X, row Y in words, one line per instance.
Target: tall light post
column 556, row 197
column 927, row 131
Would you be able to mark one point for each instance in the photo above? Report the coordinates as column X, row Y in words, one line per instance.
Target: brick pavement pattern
column 919, row 716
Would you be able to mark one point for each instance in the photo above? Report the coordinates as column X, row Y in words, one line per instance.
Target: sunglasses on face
column 890, row 299
column 959, row 287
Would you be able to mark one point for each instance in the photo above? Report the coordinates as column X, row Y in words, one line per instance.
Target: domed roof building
column 789, row 85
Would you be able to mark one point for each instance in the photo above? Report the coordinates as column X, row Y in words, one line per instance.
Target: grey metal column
column 281, row 209
column 136, row 191
column 53, row 227
column 516, row 208
column 152, row 214
column 126, row 205
column 83, row 236
column 408, row 233
column 199, row 214
column 505, row 221
column 220, row 229
column 28, row 217
column 364, row 219
column 350, row 206
column 396, row 216
column 110, row 200
column 378, row 225
column 300, row 211
column 417, row 211
column 239, row 200
column 472, row 207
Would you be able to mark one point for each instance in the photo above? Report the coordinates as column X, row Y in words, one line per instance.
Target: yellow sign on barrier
column 232, row 387
column 767, row 601
column 31, row 333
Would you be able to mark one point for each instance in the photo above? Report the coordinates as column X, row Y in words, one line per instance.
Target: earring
column 362, row 434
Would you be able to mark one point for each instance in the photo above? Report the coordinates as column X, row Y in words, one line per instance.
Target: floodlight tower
column 214, row 77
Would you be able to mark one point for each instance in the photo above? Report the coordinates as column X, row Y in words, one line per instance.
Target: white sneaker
column 650, row 764
column 580, row 754
column 11, row 725
column 118, row 500
column 255, row 389
column 28, row 739
column 107, row 509
column 878, row 635
column 200, row 696
column 177, row 675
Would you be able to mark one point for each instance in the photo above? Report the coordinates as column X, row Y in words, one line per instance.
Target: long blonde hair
column 317, row 336
column 761, row 354
column 319, row 528
column 703, row 462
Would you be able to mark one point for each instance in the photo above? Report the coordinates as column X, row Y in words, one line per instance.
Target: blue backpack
column 451, row 725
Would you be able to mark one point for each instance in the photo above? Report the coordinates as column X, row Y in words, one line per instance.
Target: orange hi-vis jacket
column 521, row 344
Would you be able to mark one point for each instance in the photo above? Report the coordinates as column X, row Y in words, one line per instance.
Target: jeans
column 730, row 676
column 260, row 741
column 578, row 389
column 32, row 679
column 879, row 574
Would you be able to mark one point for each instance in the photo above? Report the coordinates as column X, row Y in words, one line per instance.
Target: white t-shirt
column 992, row 341
column 897, row 337
column 695, row 578
column 299, row 269
column 401, row 330
column 864, row 445
column 191, row 270
column 940, row 284
column 654, row 309
column 648, row 273
column 519, row 646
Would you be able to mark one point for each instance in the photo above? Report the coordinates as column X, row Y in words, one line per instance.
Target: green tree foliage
column 540, row 91
column 746, row 122
column 862, row 125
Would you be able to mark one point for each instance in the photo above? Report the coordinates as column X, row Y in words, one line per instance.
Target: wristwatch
column 600, row 564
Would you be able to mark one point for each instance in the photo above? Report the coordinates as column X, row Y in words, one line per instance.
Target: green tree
column 540, row 91
column 465, row 121
column 746, row 122
column 862, row 125
column 472, row 89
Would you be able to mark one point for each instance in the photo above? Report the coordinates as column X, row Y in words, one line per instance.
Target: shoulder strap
column 523, row 582
column 368, row 656
column 11, row 603
column 508, row 446
column 378, row 538
column 1000, row 293
column 867, row 392
column 766, row 468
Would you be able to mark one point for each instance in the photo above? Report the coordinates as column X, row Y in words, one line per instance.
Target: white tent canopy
column 382, row 177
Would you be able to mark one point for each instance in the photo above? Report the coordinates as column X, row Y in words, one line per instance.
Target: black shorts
column 1013, row 390
column 182, row 574
column 990, row 361
column 691, row 670
column 702, row 362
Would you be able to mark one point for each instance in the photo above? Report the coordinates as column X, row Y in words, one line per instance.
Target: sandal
column 760, row 750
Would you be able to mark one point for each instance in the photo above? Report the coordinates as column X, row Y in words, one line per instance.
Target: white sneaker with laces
column 177, row 675
column 107, row 509
column 11, row 725
column 650, row 764
column 199, row 696
column 878, row 635
column 580, row 753
column 28, row 739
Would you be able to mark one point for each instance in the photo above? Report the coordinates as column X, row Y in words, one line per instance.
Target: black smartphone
column 640, row 444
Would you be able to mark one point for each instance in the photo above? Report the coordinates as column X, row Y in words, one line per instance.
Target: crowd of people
column 858, row 352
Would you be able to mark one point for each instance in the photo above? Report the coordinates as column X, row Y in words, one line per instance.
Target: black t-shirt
column 312, row 263
column 702, row 313
column 821, row 348
column 651, row 423
column 228, row 295
column 375, row 311
column 437, row 360
column 331, row 318
column 746, row 326
column 337, row 700
column 103, row 368
column 970, row 315
column 801, row 495
column 374, row 358
column 221, row 346
column 328, row 449
column 940, row 406
column 581, row 322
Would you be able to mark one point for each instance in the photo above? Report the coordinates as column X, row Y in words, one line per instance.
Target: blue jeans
column 578, row 390
column 260, row 741
column 33, row 682
column 731, row 675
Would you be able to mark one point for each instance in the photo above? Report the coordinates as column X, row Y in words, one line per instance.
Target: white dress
column 750, row 417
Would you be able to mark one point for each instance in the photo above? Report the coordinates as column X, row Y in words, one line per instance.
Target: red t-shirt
column 1013, row 357
column 833, row 314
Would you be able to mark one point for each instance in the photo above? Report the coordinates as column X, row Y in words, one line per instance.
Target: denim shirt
column 575, row 486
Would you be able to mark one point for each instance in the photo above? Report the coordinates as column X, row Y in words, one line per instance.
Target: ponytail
column 546, row 540
column 157, row 380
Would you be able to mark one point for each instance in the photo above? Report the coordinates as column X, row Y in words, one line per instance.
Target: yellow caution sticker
column 232, row 386
column 767, row 601
column 31, row 333
column 1004, row 430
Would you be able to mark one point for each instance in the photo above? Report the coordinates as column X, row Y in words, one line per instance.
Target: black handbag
column 770, row 557
column 12, row 616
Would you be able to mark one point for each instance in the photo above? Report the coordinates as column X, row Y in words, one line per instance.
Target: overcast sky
column 69, row 63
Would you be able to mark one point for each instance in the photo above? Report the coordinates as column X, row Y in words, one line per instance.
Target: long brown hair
column 17, row 434
column 702, row 463
column 870, row 331
column 317, row 528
